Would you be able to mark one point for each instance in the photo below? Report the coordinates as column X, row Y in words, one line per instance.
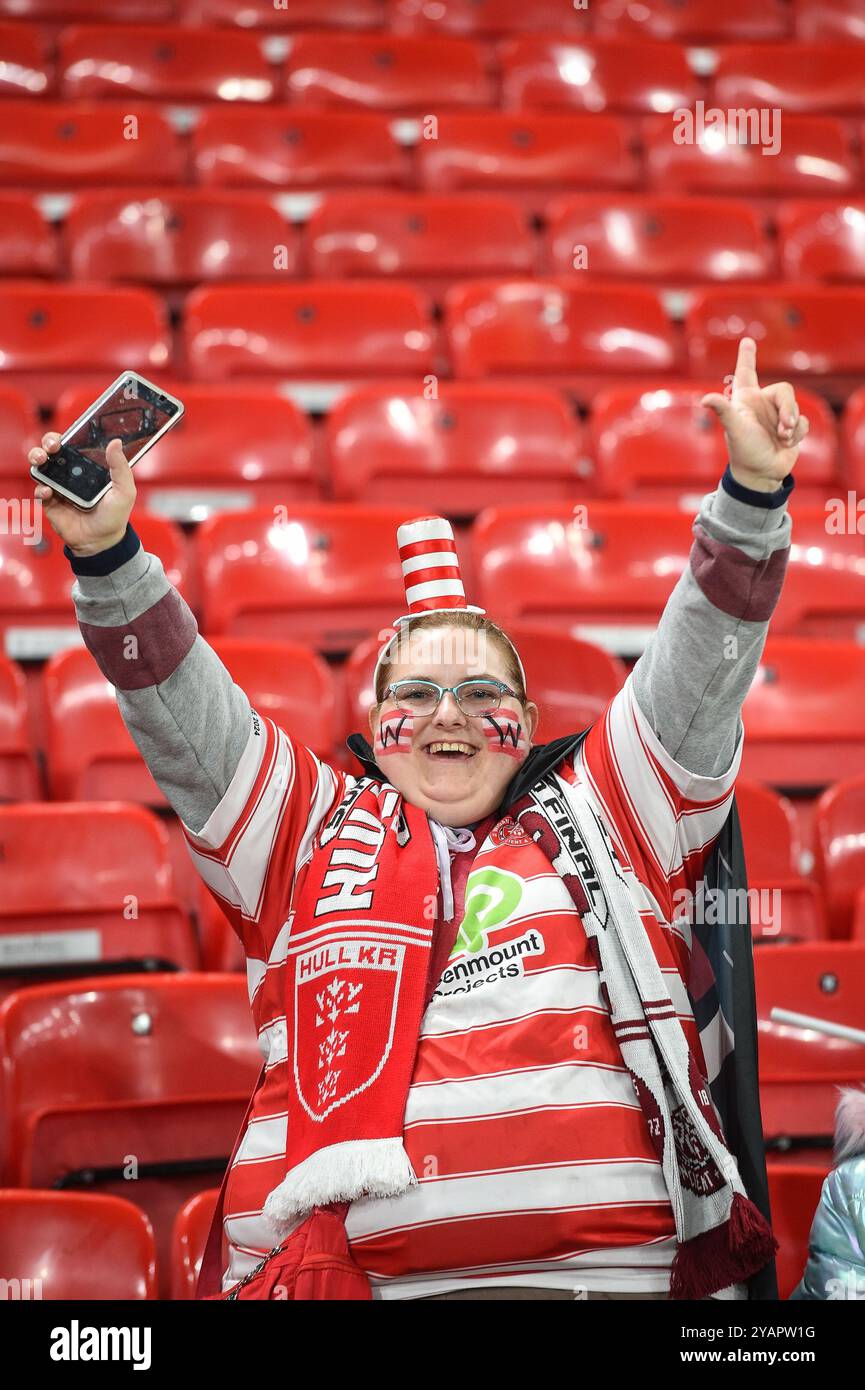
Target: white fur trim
column 340, row 1173
column 849, row 1123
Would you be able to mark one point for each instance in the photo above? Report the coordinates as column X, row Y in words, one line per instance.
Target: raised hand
column 88, row 532
column 762, row 426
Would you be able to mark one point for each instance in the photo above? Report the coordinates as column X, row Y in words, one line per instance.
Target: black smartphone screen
column 134, row 413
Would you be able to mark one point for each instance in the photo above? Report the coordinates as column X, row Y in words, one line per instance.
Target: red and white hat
column 431, row 574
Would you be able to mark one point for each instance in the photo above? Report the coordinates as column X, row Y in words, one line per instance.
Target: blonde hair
column 461, row 617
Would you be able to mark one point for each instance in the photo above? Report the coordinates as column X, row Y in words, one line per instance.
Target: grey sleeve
column 189, row 720
column 698, row 666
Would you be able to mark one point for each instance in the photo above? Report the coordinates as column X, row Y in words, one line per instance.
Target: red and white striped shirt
column 533, row 1158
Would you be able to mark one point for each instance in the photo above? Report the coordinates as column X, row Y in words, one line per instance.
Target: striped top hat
column 430, row 568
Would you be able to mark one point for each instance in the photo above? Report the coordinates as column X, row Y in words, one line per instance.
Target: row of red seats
column 164, row 1066
column 427, row 73
column 581, row 337
column 455, row 451
column 698, row 21
column 188, row 236
column 536, row 154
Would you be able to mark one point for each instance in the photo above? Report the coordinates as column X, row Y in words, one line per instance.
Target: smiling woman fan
column 498, row 1063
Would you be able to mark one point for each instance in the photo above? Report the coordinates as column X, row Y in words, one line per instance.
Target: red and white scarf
column 359, row 960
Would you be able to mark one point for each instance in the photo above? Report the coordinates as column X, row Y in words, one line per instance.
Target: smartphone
column 132, row 410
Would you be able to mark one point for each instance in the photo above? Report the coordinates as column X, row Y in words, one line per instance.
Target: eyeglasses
column 473, row 697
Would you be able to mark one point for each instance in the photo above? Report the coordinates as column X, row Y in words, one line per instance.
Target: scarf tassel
column 725, row 1255
column 340, row 1173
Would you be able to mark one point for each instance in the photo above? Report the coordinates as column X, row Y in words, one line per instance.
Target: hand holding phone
column 88, row 532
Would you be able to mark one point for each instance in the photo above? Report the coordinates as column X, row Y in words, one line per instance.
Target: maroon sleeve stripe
column 733, row 582
column 162, row 637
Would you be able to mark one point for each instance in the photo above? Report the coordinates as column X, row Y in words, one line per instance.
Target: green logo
column 491, row 896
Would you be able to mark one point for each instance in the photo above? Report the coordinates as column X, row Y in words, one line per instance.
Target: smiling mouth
column 450, row 750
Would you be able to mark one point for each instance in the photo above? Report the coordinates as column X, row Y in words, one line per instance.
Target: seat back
column 85, row 1246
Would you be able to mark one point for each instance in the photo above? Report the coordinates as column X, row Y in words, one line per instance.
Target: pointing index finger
column 745, row 374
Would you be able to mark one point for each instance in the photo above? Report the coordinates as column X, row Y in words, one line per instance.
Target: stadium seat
column 656, row 443
column 236, row 447
column 19, row 431
column 221, row 948
column 770, row 835
column 853, row 448
column 88, row 890
column 326, row 576
column 532, row 154
column 83, row 1245
column 382, row 72
column 49, row 333
column 822, row 240
column 815, row 156
column 288, row 14
column 27, row 245
column 794, row 1192
column 474, row 444
column 839, row 858
column 296, row 150
column 19, row 775
column 25, row 70
column 122, row 11
column 75, row 144
column 188, row 1239
column 804, row 715
column 555, row 331
column 110, row 1072
column 801, row 330
column 37, row 617
column 178, row 237
column 595, row 75
column 795, row 78
column 429, row 239
column 660, row 237
column 604, row 570
column 832, row 20
column 485, row 18
column 285, row 682
column 570, row 681
column 697, row 22
column 314, row 331
column 823, row 594
column 171, row 64
column 800, row 1067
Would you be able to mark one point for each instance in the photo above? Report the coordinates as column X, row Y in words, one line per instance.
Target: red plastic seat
column 315, row 330
column 88, row 889
column 835, row 20
column 794, row 911
column 382, row 72
column 553, row 330
column 73, row 144
column 815, row 156
column 19, row 775
column 698, row 21
column 188, row 1239
column 853, row 446
column 25, row 70
column 108, row 1071
column 656, row 237
column 27, row 245
column 801, row 330
column 482, row 18
column 171, row 63
column 595, row 75
column 800, row 1067
column 839, row 859
column 237, row 446
column 19, row 431
column 656, row 443
column 48, row 333
column 326, row 576
column 180, row 237
column 605, row 571
column 285, row 682
column 794, row 1192
column 804, row 715
column 37, row 616
column 822, row 240
column 127, row 11
column 289, row 14
column 571, row 681
column 824, row 588
column 532, row 153
column 453, row 454
column 822, row 77
column 296, row 150
column 84, row 1246
column 428, row 239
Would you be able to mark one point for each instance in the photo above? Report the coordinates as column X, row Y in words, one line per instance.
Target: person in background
column 836, row 1245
